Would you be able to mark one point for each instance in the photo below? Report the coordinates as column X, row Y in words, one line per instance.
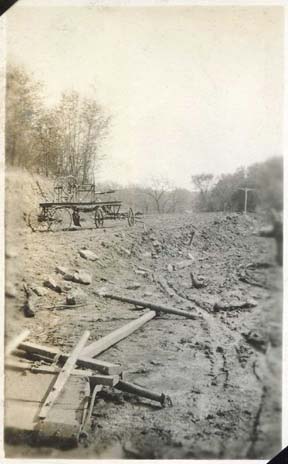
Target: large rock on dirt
column 28, row 309
column 89, row 255
column 39, row 291
column 80, row 277
column 75, row 297
column 259, row 339
column 61, row 270
column 52, row 284
column 83, row 277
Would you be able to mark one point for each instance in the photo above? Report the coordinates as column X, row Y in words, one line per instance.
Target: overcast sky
column 191, row 90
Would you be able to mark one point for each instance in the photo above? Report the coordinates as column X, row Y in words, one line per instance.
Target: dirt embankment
column 222, row 370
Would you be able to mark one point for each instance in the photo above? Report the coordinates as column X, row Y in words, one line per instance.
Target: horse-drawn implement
column 71, row 199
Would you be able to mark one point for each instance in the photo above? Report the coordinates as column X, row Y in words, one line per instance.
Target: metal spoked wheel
column 99, row 218
column 131, row 217
column 37, row 220
column 60, row 220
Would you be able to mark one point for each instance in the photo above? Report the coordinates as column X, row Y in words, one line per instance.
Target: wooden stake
column 111, row 339
column 63, row 376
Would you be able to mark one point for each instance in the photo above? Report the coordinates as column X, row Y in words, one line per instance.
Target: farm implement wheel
column 60, row 219
column 37, row 220
column 99, row 218
column 131, row 217
column 66, row 188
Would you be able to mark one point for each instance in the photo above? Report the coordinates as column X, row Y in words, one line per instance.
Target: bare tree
column 158, row 189
column 71, row 135
column 202, row 182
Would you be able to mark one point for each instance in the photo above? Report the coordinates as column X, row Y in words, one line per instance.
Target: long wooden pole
column 246, row 190
column 109, row 340
column 153, row 306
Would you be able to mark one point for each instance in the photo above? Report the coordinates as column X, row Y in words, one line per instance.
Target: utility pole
column 246, row 190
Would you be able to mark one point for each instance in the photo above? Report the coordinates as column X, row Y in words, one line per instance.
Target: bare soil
column 221, row 370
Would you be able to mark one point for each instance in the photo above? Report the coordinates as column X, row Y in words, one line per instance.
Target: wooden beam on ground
column 63, row 376
column 96, row 379
column 114, row 337
column 147, row 304
column 47, row 351
column 104, row 367
column 83, row 361
column 15, row 342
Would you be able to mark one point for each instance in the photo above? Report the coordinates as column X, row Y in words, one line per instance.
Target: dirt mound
column 22, row 195
column 222, row 370
column 218, row 233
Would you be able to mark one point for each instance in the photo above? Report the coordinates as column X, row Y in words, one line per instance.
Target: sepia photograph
column 143, row 230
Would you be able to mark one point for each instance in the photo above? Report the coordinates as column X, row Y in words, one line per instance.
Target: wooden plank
column 64, row 419
column 47, row 351
column 63, row 375
column 18, row 365
column 96, row 379
column 114, row 337
column 15, row 342
column 102, row 366
column 83, row 361
column 22, row 406
column 147, row 304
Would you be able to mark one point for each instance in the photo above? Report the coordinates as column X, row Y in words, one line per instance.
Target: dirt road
column 221, row 370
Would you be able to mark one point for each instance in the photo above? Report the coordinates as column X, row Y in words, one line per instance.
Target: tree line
column 210, row 193
column 227, row 192
column 63, row 140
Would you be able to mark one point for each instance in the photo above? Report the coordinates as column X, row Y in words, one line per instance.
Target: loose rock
column 50, row 283
column 76, row 296
column 81, row 277
column 61, row 270
column 89, row 255
column 39, row 291
column 28, row 309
